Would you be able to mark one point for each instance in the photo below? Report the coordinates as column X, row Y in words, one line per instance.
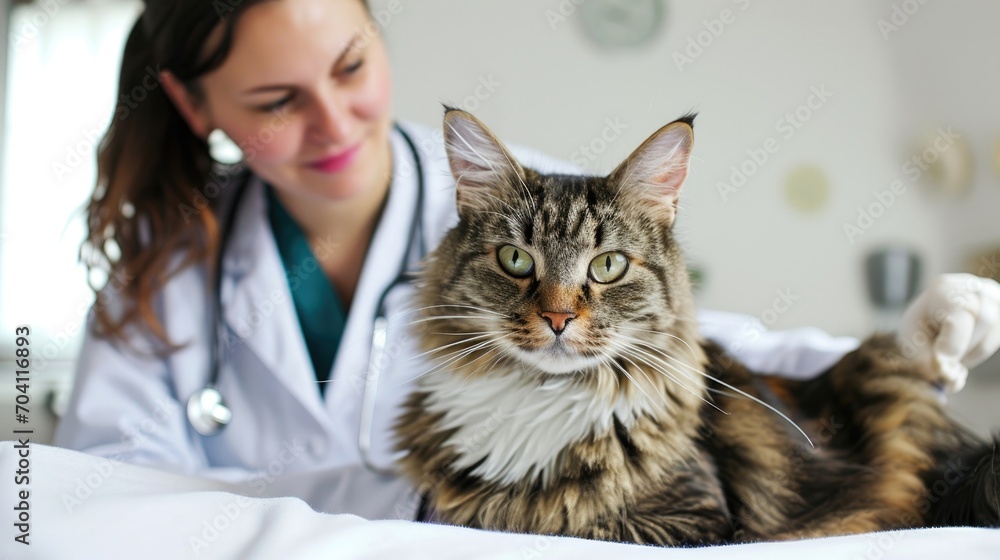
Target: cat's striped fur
column 564, row 405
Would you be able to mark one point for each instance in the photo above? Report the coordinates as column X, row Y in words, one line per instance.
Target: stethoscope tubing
column 380, row 325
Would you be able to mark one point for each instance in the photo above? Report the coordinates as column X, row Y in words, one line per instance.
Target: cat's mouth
column 557, row 358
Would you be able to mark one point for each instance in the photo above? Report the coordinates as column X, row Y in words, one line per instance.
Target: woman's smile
column 338, row 161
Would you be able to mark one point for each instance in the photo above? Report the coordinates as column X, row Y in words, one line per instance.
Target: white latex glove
column 953, row 325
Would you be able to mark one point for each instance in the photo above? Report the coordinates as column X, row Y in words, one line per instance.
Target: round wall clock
column 622, row 23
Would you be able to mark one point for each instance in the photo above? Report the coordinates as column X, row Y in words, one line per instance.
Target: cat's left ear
column 656, row 170
column 483, row 168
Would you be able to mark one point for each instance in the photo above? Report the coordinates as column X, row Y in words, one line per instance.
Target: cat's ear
column 480, row 163
column 655, row 171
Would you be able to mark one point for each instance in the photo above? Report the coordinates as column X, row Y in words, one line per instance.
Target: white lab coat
column 284, row 438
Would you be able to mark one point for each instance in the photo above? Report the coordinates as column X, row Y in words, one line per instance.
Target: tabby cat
column 573, row 394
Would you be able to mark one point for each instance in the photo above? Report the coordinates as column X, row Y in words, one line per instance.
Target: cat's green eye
column 517, row 262
column 608, row 267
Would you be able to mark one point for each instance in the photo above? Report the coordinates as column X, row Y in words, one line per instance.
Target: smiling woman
column 303, row 87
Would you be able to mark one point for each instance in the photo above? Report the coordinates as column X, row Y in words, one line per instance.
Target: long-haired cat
column 574, row 396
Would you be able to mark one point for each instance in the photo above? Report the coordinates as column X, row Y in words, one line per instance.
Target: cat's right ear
column 654, row 173
column 480, row 163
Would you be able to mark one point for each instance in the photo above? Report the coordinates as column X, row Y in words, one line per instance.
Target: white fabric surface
column 800, row 353
column 88, row 507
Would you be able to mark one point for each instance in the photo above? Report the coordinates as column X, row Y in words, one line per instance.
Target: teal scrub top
column 321, row 315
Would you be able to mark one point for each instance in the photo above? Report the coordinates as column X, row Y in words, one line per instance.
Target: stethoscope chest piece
column 207, row 412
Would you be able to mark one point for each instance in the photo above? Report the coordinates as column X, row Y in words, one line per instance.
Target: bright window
column 62, row 77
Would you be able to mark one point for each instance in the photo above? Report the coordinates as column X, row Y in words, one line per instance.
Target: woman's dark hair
column 149, row 206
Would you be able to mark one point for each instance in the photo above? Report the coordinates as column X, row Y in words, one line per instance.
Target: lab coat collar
column 389, row 244
column 257, row 302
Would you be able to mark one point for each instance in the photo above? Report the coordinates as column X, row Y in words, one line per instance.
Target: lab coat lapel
column 257, row 303
column 385, row 253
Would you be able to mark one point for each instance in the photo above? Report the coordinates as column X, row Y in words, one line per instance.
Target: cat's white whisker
column 419, row 309
column 527, row 191
column 448, row 361
column 663, row 399
column 633, row 341
column 458, row 354
column 485, row 354
column 740, row 391
column 467, row 306
column 675, row 337
column 630, row 378
column 630, row 346
column 440, row 348
column 490, row 364
column 470, row 147
column 500, row 356
column 707, row 401
column 515, row 211
column 440, row 317
column 466, row 333
column 496, row 346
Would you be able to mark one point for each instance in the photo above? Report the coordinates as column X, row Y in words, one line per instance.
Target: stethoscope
column 207, row 410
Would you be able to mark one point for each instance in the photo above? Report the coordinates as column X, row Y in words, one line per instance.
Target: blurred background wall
column 558, row 87
column 809, row 113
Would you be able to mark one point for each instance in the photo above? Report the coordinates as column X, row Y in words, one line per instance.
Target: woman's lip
column 336, row 162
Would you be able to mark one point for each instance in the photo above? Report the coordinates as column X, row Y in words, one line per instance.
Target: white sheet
column 86, row 507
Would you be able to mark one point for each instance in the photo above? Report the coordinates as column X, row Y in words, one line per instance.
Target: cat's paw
column 952, row 326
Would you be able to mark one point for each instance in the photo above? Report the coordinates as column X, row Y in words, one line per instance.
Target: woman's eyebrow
column 340, row 58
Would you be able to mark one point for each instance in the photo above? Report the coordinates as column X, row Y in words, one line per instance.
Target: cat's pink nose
column 558, row 321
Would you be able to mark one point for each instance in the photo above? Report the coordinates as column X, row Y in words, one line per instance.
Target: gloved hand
column 953, row 325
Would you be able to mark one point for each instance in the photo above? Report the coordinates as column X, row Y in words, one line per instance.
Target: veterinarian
column 290, row 363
